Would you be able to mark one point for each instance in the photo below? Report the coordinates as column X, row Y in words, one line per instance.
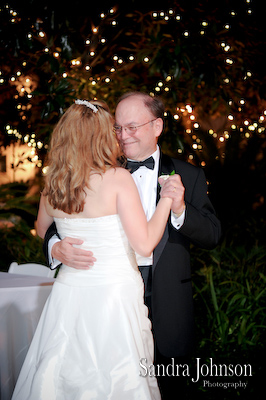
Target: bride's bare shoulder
column 118, row 173
column 118, row 178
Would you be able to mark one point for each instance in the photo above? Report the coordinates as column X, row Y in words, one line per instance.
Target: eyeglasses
column 130, row 129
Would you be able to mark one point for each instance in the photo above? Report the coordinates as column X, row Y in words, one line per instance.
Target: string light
column 185, row 113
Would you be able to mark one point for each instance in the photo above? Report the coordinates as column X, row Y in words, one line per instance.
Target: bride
column 94, row 330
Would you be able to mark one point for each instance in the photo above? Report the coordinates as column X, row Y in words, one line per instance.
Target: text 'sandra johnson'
column 202, row 369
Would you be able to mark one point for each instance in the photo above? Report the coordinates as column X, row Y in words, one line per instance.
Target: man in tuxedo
column 166, row 274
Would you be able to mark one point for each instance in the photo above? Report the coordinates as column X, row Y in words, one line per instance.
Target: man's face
column 140, row 144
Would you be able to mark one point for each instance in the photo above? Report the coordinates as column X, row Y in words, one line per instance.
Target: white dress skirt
column 94, row 330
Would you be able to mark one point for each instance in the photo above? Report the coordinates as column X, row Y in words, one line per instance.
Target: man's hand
column 173, row 187
column 65, row 252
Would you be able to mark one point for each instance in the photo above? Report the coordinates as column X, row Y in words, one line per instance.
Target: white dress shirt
column 146, row 181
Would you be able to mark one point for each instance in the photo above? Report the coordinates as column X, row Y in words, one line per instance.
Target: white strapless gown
column 94, row 329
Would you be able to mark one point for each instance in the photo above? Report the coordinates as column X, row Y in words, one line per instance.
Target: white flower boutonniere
column 166, row 176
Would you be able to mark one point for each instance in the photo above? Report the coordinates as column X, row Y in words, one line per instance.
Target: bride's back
column 101, row 196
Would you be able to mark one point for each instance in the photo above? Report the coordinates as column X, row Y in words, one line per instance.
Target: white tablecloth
column 22, row 299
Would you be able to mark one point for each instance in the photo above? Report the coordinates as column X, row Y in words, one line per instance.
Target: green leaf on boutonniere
column 171, row 173
column 166, row 176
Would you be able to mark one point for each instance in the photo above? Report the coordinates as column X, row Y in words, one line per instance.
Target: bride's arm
column 142, row 235
column 44, row 220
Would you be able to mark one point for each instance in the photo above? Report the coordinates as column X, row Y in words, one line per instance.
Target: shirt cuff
column 177, row 222
column 53, row 263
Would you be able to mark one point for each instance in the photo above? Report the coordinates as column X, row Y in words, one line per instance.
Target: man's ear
column 159, row 126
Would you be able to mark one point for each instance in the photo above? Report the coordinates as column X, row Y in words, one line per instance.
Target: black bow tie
column 134, row 165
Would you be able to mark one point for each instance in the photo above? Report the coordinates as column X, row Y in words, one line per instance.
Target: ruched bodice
column 104, row 236
column 106, row 239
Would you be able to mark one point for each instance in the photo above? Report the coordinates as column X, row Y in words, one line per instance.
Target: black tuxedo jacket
column 172, row 303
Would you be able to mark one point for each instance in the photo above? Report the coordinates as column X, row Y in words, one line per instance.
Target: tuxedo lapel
column 166, row 167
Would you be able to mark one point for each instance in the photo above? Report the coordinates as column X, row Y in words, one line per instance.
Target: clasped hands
column 172, row 186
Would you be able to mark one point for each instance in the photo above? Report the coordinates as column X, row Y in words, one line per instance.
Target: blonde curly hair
column 82, row 143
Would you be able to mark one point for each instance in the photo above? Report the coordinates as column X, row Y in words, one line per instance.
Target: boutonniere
column 166, row 176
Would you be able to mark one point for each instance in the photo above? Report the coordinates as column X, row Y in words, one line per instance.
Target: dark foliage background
column 203, row 70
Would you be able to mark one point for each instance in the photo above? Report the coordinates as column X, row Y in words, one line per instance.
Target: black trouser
column 171, row 385
column 146, row 273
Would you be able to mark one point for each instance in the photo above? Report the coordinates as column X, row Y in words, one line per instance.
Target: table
column 22, row 298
